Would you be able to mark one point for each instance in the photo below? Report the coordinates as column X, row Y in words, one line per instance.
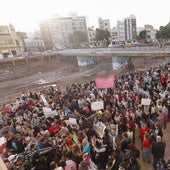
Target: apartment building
column 114, row 39
column 104, row 24
column 121, row 31
column 92, row 37
column 46, row 35
column 127, row 30
column 34, row 43
column 130, row 28
column 60, row 28
column 10, row 45
column 150, row 33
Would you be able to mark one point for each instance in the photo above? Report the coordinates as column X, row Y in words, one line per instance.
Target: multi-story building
column 130, row 28
column 150, row 33
column 9, row 42
column 104, row 24
column 114, row 36
column 46, row 35
column 92, row 36
column 121, row 31
column 127, row 29
column 60, row 28
column 34, row 42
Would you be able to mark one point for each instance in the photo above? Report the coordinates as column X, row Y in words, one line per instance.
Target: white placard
column 145, row 101
column 98, row 105
column 44, row 100
column 71, row 121
column 48, row 112
column 99, row 127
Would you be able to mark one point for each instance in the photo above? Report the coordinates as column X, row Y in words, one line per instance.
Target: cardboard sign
column 44, row 100
column 2, row 165
column 71, row 121
column 48, row 112
column 99, row 127
column 145, row 101
column 98, row 105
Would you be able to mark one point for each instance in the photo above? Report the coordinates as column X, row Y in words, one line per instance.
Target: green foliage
column 77, row 37
column 102, row 35
column 142, row 34
column 163, row 32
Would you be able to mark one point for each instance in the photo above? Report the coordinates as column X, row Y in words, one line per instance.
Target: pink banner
column 107, row 82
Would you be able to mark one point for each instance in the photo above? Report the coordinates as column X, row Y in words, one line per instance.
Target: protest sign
column 107, row 82
column 48, row 112
column 44, row 100
column 98, row 105
column 145, row 101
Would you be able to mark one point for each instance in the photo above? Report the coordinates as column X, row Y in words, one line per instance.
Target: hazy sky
column 26, row 14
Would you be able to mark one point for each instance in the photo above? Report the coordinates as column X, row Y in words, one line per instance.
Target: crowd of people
column 139, row 104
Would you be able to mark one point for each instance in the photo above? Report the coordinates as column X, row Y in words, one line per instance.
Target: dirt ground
column 38, row 75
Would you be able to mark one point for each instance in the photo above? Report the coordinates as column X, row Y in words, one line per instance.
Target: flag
column 107, row 82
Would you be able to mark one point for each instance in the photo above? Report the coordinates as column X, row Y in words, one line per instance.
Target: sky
column 25, row 15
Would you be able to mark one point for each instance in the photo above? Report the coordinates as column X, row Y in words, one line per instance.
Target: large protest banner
column 98, row 105
column 107, row 82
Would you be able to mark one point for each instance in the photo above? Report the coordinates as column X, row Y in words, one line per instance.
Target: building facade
column 58, row 29
column 121, row 31
column 46, row 34
column 104, row 24
column 127, row 30
column 10, row 45
column 92, row 37
column 34, row 43
column 150, row 33
column 130, row 28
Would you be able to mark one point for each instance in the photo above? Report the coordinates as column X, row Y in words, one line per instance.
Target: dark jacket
column 158, row 149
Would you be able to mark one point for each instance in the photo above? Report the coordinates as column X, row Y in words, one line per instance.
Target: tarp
column 107, row 82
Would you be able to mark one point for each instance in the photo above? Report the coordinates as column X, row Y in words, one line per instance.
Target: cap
column 11, row 157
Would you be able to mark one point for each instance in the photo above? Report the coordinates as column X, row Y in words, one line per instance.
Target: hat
column 11, row 157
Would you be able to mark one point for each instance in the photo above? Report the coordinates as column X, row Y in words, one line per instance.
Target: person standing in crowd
column 157, row 131
column 164, row 116
column 146, row 148
column 144, row 129
column 158, row 150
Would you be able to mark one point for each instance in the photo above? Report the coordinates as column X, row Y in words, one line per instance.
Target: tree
column 77, row 38
column 163, row 32
column 142, row 36
column 102, row 35
column 22, row 36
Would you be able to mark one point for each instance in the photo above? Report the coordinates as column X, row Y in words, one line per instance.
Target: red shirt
column 68, row 141
column 146, row 143
column 54, row 128
column 142, row 132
